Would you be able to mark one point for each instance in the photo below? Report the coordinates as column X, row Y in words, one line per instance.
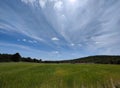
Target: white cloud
column 29, row 2
column 55, row 39
column 55, row 52
column 42, row 3
column 53, row 0
column 72, row 44
column 6, row 27
column 24, row 40
column 25, row 1
column 58, row 5
column 29, row 41
column 95, row 24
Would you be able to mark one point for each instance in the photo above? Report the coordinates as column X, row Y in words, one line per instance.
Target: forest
column 98, row 59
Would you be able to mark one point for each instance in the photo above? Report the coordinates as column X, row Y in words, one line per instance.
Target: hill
column 100, row 59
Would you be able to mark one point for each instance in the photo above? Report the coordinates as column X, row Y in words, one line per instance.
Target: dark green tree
column 16, row 57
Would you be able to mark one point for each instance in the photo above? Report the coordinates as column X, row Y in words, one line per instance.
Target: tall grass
column 31, row 75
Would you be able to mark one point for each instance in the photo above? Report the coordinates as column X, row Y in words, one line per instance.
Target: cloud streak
column 85, row 27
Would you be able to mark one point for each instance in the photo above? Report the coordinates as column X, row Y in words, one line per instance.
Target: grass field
column 32, row 75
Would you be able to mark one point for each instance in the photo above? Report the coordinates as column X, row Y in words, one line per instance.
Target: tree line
column 17, row 58
column 101, row 59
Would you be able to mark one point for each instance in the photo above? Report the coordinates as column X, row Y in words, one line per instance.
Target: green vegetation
column 33, row 75
column 101, row 59
column 17, row 58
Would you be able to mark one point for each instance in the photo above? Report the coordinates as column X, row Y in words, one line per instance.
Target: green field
column 32, row 75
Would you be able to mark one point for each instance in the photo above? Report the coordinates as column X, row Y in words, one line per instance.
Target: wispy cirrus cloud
column 62, row 25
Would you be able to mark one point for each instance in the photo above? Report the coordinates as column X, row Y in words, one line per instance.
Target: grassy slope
column 30, row 75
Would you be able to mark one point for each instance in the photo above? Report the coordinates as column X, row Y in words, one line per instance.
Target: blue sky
column 60, row 29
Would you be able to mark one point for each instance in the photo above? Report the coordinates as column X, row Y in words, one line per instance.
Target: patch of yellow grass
column 60, row 72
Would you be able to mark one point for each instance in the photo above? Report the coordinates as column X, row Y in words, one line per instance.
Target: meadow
column 33, row 75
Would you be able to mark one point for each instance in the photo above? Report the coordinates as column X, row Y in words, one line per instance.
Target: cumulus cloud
column 55, row 39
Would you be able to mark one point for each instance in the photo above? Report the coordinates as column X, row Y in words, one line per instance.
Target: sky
column 60, row 29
